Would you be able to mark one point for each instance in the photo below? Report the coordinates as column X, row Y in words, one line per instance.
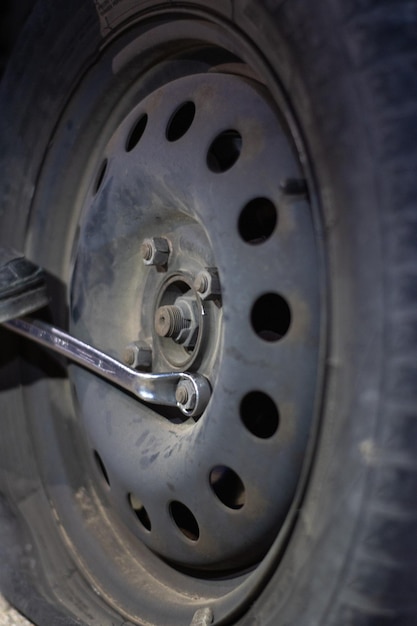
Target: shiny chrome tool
column 189, row 392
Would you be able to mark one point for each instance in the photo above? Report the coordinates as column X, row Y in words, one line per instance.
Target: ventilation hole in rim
column 101, row 467
column 259, row 414
column 136, row 133
column 140, row 511
column 257, row 221
column 100, row 176
column 228, row 487
column 184, row 520
column 180, row 121
column 271, row 317
column 224, row 151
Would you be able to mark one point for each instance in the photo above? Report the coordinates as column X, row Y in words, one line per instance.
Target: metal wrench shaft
column 152, row 388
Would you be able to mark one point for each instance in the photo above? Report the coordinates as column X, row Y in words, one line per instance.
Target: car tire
column 271, row 141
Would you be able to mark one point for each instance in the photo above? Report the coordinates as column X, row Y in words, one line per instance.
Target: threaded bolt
column 170, row 321
column 181, row 394
column 185, row 395
column 129, row 355
column 146, row 251
column 207, row 284
column 201, row 283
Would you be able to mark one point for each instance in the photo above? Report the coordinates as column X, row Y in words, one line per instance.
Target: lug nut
column 155, row 251
column 185, row 395
column 138, row 355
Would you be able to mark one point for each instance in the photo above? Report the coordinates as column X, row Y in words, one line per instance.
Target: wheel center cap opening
column 179, row 321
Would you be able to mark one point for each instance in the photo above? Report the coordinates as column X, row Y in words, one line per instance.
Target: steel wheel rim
column 295, row 195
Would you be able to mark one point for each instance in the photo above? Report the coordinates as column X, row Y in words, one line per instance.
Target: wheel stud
column 207, row 284
column 201, row 282
column 185, row 395
column 181, row 394
column 146, row 251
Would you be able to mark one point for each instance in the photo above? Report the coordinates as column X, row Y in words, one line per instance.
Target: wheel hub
column 180, row 322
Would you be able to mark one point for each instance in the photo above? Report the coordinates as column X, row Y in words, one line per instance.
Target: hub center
column 180, row 321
